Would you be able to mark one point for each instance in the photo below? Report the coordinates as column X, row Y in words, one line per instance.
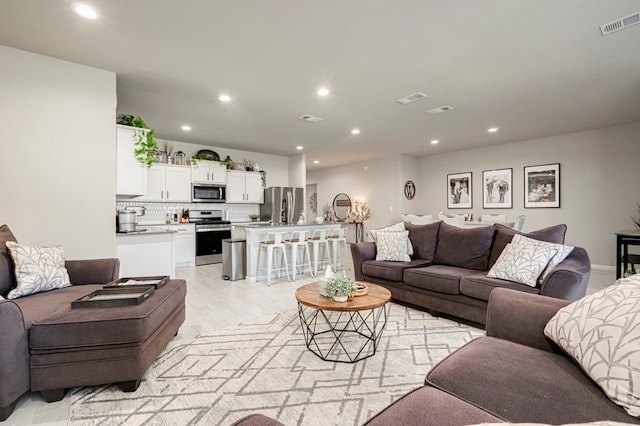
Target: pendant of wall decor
column 409, row 190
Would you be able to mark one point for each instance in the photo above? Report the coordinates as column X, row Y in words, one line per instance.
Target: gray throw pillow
column 504, row 234
column 7, row 274
column 424, row 239
column 464, row 248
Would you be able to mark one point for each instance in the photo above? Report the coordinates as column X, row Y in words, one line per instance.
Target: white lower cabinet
column 184, row 244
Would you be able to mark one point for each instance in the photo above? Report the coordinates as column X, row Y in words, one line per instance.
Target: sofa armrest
column 93, row 271
column 14, row 354
column 361, row 252
column 521, row 317
column 569, row 280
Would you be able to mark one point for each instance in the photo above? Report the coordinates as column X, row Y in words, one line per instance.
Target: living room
column 58, row 135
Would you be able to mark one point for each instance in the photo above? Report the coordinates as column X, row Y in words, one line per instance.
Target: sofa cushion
column 5, row 235
column 7, row 275
column 465, row 248
column 392, row 246
column 37, row 269
column 479, row 286
column 440, row 278
column 504, row 234
column 522, row 261
column 390, row 271
column 602, row 333
column 424, row 239
column 523, row 384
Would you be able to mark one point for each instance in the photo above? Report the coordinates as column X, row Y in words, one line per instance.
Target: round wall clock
column 409, row 189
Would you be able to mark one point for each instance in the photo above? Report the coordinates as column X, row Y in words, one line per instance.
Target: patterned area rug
column 265, row 367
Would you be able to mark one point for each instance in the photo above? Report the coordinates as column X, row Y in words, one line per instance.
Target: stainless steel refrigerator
column 282, row 205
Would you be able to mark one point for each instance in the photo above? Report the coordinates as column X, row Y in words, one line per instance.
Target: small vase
column 340, row 298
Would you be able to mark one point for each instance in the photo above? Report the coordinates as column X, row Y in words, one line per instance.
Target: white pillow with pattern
column 37, row 269
column 392, row 246
column 563, row 252
column 398, row 227
column 602, row 333
column 522, row 262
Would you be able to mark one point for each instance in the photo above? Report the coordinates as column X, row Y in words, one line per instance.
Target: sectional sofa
column 447, row 272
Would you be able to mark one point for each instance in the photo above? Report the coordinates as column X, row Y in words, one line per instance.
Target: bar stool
column 274, row 241
column 297, row 242
column 318, row 240
column 338, row 236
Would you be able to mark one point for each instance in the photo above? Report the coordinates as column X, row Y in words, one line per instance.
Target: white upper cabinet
column 168, row 183
column 131, row 176
column 211, row 172
column 244, row 187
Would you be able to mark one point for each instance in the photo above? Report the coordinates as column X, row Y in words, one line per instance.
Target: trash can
column 234, row 263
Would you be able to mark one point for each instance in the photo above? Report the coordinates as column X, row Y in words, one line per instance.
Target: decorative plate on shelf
column 212, row 155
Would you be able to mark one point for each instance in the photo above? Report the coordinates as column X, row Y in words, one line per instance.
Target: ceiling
column 531, row 68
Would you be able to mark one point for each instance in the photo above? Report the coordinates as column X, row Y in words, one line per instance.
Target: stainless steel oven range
column 210, row 231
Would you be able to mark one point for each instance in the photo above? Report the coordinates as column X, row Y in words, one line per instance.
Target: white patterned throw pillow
column 562, row 253
column 522, row 262
column 392, row 246
column 602, row 333
column 37, row 269
column 398, row 227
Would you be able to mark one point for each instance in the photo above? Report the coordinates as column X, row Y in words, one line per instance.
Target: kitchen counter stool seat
column 318, row 242
column 273, row 243
column 339, row 237
column 297, row 243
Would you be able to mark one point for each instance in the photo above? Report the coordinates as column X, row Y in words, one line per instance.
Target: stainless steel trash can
column 234, row 262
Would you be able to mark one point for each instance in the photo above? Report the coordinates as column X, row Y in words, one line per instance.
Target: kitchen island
column 255, row 233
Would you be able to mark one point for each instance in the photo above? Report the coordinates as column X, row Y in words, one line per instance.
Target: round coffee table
column 342, row 331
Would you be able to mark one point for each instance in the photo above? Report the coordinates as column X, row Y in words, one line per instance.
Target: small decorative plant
column 145, row 146
column 254, row 216
column 360, row 212
column 340, row 287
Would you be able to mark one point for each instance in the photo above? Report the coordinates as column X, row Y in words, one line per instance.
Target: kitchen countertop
column 269, row 225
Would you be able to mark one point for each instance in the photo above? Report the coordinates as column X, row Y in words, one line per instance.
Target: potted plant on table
column 340, row 288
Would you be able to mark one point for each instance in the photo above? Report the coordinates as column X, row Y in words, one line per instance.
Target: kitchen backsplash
column 156, row 213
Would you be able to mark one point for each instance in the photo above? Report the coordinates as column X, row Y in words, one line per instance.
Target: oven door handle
column 213, row 229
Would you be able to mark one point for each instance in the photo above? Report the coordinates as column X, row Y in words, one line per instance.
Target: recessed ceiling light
column 355, row 131
column 186, row 128
column 316, row 162
column 323, row 92
column 85, row 11
column 492, row 129
column 299, row 147
column 435, row 142
column 224, row 98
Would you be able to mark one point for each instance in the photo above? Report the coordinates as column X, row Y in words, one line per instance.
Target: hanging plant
column 145, row 146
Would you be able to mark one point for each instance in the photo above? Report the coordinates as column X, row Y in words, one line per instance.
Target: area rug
column 265, row 367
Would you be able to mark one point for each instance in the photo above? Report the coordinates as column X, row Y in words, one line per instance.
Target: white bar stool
column 297, row 242
column 274, row 241
column 318, row 240
column 339, row 236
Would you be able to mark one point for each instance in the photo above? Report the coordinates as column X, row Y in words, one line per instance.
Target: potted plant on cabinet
column 340, row 288
column 145, row 146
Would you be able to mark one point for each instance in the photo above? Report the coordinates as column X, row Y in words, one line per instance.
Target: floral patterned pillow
column 392, row 246
column 37, row 269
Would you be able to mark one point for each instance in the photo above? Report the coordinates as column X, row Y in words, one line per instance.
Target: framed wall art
column 497, row 189
column 542, row 186
column 459, row 195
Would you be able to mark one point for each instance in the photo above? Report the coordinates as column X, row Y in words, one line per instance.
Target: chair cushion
column 504, row 234
column 479, row 286
column 424, row 239
column 523, row 384
column 440, row 278
column 465, row 248
column 390, row 271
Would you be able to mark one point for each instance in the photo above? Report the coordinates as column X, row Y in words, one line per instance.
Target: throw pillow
column 464, row 248
column 563, row 252
column 424, row 239
column 398, row 227
column 7, row 277
column 37, row 269
column 602, row 333
column 5, row 235
column 504, row 234
column 392, row 246
column 522, row 262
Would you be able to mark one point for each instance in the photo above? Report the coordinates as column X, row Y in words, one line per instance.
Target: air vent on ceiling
column 620, row 24
column 412, row 98
column 310, row 118
column 439, row 110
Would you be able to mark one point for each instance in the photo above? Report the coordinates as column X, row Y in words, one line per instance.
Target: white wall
column 599, row 183
column 57, row 162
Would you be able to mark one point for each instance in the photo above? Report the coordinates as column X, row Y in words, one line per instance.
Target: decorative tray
column 114, row 297
column 363, row 289
column 156, row 282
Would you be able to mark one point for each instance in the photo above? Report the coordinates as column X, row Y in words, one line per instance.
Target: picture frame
column 497, row 189
column 542, row 186
column 459, row 191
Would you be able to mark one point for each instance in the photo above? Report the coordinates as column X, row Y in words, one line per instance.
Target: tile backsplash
column 156, row 213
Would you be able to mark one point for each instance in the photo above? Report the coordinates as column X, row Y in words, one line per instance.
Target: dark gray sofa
column 513, row 374
column 448, row 270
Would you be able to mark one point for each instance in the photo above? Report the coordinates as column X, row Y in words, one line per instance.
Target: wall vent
column 439, row 110
column 311, row 118
column 620, row 24
column 412, row 98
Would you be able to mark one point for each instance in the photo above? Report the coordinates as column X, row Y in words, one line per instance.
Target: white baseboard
column 604, row 267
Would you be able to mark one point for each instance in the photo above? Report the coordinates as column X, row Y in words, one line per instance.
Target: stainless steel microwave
column 208, row 193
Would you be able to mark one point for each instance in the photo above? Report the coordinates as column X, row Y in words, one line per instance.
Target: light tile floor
column 212, row 303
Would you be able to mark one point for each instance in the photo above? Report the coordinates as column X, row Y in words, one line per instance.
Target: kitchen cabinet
column 146, row 254
column 211, row 172
column 244, row 187
column 168, row 183
column 184, row 244
column 131, row 176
